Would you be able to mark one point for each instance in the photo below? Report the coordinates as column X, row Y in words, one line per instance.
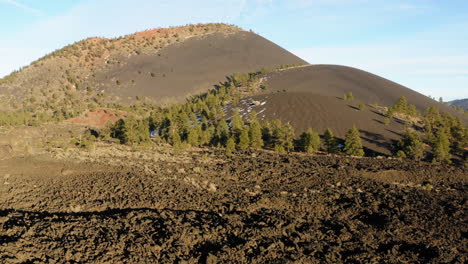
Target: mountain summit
column 160, row 65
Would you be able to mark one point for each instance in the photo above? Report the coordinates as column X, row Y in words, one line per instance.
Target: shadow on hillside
column 376, row 139
column 354, row 107
column 393, row 132
column 378, row 121
column 399, row 121
column 378, row 113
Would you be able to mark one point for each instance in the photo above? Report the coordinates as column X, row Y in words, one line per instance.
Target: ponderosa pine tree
column 193, row 136
column 230, row 146
column 401, row 106
column 175, row 140
column 456, row 132
column 244, row 140
column 288, row 137
column 282, row 136
column 309, row 141
column 441, row 147
column 410, row 146
column 207, row 135
column 330, row 142
column 353, row 145
column 237, row 124
column 222, row 131
column 255, row 134
column 432, row 120
column 131, row 130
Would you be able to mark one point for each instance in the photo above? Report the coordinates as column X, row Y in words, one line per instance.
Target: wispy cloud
column 27, row 8
column 443, row 72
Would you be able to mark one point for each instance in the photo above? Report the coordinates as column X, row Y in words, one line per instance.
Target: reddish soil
column 159, row 31
column 95, row 119
column 249, row 208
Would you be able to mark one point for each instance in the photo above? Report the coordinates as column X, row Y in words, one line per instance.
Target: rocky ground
column 121, row 205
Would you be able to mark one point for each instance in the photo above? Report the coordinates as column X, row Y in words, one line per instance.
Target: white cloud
column 27, row 8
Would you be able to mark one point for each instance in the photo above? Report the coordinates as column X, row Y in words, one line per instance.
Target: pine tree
column 183, row 121
column 410, row 146
column 253, row 116
column 131, row 130
column 244, row 140
column 279, row 149
column 230, row 146
column 330, row 141
column 455, row 132
column 401, row 105
column 222, row 131
column 309, row 141
column 193, row 137
column 207, row 135
column 353, row 145
column 284, row 135
column 412, row 111
column 176, row 140
column 432, row 120
column 236, row 121
column 267, row 134
column 441, row 147
column 255, row 133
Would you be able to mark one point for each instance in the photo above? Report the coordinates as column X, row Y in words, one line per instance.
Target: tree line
column 202, row 122
column 440, row 136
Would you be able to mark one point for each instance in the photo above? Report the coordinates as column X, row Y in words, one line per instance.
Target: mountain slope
column 157, row 65
column 192, row 66
column 311, row 97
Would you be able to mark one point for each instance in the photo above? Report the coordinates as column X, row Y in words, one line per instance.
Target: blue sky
column 422, row 44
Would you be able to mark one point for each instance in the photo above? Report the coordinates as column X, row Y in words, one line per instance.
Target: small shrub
column 348, row 96
column 386, row 121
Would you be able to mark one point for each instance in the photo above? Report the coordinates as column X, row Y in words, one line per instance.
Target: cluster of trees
column 182, row 130
column 402, row 107
column 444, row 134
column 202, row 122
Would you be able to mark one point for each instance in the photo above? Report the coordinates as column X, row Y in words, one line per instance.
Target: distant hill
column 463, row 103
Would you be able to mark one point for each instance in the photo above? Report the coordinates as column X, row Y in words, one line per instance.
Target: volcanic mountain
column 166, row 66
column 311, row 96
column 160, row 65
